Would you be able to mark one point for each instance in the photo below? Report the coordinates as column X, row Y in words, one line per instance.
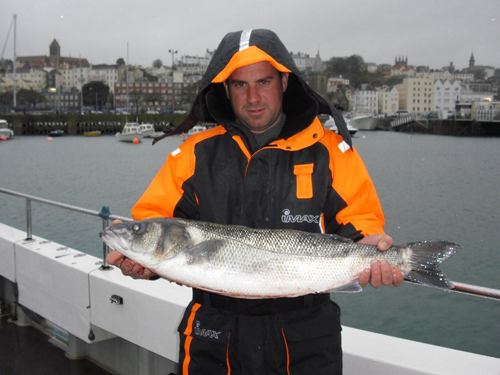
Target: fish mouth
column 111, row 239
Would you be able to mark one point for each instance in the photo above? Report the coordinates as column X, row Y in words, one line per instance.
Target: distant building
column 388, row 100
column 54, row 60
column 334, row 82
column 37, row 77
column 167, row 93
column 7, row 84
column 446, row 94
column 488, row 70
column 365, row 99
column 401, row 61
column 402, row 71
column 416, row 94
column 304, row 62
column 107, row 74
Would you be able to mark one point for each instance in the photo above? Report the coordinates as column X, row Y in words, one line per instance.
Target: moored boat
column 194, row 130
column 147, row 130
column 93, row 133
column 56, row 133
column 330, row 124
column 129, row 133
column 364, row 122
column 5, row 131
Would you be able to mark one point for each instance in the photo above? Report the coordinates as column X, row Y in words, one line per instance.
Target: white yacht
column 129, row 133
column 363, row 120
column 330, row 124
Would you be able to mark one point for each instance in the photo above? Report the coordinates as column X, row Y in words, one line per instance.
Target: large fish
column 266, row 263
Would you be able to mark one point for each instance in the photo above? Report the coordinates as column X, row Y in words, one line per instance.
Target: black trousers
column 297, row 336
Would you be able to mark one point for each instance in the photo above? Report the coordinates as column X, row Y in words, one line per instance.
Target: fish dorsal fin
column 352, row 287
column 204, row 251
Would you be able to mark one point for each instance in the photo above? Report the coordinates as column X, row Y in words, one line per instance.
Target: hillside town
column 60, row 84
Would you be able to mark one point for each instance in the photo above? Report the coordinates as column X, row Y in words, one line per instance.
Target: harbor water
column 431, row 187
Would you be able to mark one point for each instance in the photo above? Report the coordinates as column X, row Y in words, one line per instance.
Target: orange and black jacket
column 308, row 178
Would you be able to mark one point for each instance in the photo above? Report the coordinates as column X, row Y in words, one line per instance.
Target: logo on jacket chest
column 287, row 217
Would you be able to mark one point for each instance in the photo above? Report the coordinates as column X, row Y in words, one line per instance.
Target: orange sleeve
column 165, row 190
column 354, row 185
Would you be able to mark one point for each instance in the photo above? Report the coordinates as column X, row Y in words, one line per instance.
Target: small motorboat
column 56, row 133
column 92, row 133
column 129, row 133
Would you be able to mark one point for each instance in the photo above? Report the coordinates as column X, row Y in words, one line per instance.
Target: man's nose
column 253, row 95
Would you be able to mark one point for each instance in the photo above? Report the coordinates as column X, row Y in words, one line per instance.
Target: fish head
column 151, row 240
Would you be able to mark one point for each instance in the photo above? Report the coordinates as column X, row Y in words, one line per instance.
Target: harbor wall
column 79, row 124
column 454, row 127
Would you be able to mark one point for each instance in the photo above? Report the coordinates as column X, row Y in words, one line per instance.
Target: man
column 269, row 164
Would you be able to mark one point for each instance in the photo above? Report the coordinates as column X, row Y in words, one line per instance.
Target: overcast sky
column 428, row 32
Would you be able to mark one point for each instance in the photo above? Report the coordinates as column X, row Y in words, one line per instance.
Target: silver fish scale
column 249, row 262
column 291, row 242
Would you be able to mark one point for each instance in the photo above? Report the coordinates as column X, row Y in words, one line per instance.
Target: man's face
column 256, row 95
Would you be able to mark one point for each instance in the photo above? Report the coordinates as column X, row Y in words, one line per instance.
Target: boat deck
column 27, row 350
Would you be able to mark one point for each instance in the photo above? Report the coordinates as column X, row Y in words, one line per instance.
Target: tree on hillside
column 29, row 97
column 120, row 61
column 157, row 63
column 346, row 67
column 95, row 94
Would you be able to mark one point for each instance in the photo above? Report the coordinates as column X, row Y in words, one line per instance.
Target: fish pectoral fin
column 338, row 238
column 352, row 287
column 204, row 251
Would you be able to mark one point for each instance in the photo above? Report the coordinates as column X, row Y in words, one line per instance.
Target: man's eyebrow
column 269, row 77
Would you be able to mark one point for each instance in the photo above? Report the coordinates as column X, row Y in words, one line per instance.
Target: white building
column 365, row 99
column 334, row 82
column 303, row 61
column 446, row 94
column 388, row 100
column 37, row 78
column 80, row 76
column 107, row 74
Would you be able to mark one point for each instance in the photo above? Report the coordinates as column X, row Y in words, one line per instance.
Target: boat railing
column 105, row 215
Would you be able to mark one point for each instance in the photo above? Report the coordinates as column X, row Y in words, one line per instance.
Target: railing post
column 29, row 229
column 105, row 216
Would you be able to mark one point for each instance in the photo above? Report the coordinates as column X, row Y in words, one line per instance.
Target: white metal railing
column 104, row 214
column 467, row 289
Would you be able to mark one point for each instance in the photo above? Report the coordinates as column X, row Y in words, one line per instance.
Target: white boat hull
column 364, row 122
column 128, row 137
column 9, row 134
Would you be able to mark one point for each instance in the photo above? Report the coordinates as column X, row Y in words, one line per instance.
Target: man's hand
column 127, row 266
column 380, row 272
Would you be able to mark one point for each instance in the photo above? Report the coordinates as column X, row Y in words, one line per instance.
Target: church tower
column 472, row 61
column 55, row 49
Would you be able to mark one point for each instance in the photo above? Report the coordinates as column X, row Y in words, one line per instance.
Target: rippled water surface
column 431, row 187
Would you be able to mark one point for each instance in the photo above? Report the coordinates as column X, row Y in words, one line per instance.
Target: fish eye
column 137, row 228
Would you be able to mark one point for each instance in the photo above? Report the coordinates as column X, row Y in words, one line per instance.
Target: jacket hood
column 301, row 103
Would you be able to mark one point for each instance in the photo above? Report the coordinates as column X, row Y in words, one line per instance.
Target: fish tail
column 425, row 259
